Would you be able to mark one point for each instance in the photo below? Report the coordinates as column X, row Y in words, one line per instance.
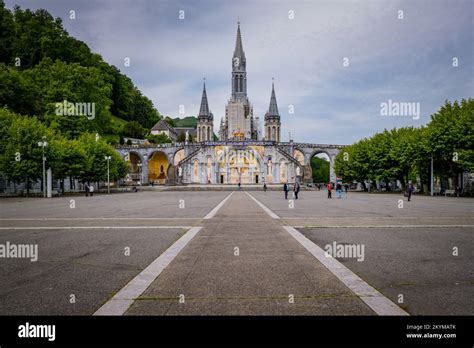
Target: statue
column 187, row 137
column 180, row 171
column 208, row 169
column 297, row 170
column 269, row 171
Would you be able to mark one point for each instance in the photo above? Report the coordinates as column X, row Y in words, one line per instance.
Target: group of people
column 296, row 189
column 339, row 188
column 89, row 188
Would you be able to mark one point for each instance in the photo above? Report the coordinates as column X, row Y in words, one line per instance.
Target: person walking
column 86, row 188
column 91, row 190
column 285, row 188
column 409, row 190
column 346, row 187
column 329, row 190
column 338, row 190
column 239, row 185
column 296, row 189
column 264, row 187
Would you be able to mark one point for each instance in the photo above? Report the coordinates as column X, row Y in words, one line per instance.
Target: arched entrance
column 135, row 168
column 320, row 163
column 158, row 167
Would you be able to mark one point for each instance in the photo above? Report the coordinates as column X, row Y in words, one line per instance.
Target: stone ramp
column 270, row 270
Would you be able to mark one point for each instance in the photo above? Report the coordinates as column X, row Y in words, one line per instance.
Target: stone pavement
column 244, row 262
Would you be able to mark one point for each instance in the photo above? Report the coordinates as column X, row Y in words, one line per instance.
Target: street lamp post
column 108, row 158
column 431, row 179
column 43, row 144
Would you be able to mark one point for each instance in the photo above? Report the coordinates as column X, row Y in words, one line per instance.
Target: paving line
column 381, row 226
column 123, row 299
column 374, row 299
column 93, row 227
column 268, row 211
column 214, row 211
column 95, row 218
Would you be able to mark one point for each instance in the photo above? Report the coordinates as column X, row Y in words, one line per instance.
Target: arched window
column 208, row 134
column 235, row 83
column 273, row 133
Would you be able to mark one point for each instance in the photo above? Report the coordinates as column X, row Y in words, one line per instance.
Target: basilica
column 242, row 154
column 239, row 122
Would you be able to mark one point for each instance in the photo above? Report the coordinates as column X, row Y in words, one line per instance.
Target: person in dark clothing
column 239, row 185
column 86, row 188
column 296, row 189
column 264, row 187
column 285, row 188
column 346, row 187
column 409, row 190
column 338, row 190
column 329, row 190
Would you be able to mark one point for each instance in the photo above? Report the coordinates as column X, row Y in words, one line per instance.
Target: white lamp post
column 108, row 158
column 43, row 144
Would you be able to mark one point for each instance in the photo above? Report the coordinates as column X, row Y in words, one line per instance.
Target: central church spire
column 239, row 75
column 239, row 122
column 239, row 51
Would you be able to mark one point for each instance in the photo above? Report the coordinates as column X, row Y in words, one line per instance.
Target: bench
column 449, row 192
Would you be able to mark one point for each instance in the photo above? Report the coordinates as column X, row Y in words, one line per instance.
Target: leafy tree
column 181, row 138
column 35, row 38
column 7, row 32
column 21, row 157
column 18, row 93
column 159, row 139
column 133, row 129
column 68, row 159
column 320, row 168
column 170, row 121
column 95, row 167
column 451, row 138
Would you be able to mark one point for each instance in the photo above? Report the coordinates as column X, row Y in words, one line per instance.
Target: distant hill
column 189, row 121
column 41, row 65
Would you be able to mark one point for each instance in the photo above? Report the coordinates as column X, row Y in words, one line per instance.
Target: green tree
column 95, row 167
column 68, row 159
column 451, row 138
column 133, row 129
column 159, row 139
column 320, row 168
column 21, row 157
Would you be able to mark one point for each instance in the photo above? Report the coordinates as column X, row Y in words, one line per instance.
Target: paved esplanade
column 245, row 262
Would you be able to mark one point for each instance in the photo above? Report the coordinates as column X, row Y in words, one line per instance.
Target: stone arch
column 136, row 165
column 309, row 170
column 299, row 156
column 158, row 165
column 178, row 156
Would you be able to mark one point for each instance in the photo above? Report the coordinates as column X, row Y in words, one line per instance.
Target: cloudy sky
column 302, row 44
